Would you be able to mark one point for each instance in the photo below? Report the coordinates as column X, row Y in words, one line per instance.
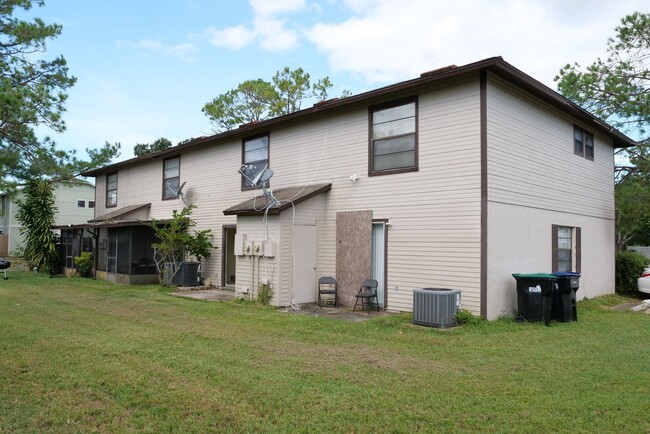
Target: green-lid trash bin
column 535, row 296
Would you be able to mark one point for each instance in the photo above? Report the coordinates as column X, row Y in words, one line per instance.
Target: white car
column 643, row 282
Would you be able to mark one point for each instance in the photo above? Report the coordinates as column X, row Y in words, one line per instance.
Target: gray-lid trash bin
column 535, row 296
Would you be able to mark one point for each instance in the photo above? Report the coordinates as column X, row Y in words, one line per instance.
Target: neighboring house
column 455, row 179
column 74, row 200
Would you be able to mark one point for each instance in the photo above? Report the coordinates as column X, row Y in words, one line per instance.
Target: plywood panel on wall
column 353, row 249
column 4, row 244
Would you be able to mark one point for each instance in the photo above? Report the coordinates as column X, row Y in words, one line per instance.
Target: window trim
column 107, row 190
column 585, row 134
column 416, row 147
column 164, row 180
column 243, row 155
column 576, row 248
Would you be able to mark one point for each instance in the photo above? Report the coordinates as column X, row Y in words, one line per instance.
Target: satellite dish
column 260, row 179
column 263, row 176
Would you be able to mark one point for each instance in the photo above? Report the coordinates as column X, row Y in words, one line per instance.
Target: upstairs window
column 393, row 138
column 91, row 204
column 255, row 155
column 583, row 143
column 111, row 190
column 171, row 177
column 81, row 204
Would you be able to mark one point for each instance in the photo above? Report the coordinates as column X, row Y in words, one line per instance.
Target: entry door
column 304, row 272
column 229, row 260
column 378, row 259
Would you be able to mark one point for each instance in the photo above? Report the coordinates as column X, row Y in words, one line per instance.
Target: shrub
column 629, row 267
column 465, row 317
column 264, row 294
column 176, row 244
column 84, row 263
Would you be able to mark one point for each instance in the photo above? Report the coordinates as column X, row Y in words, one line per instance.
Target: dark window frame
column 585, row 146
column 81, row 203
column 91, row 204
column 171, row 196
column 576, row 248
column 108, row 175
column 245, row 187
column 416, row 162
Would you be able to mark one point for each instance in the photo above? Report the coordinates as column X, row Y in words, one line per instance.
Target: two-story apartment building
column 74, row 200
column 455, row 179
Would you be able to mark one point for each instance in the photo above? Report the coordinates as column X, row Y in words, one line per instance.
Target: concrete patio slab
column 310, row 309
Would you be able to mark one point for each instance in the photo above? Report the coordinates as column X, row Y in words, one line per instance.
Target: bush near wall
column 629, row 267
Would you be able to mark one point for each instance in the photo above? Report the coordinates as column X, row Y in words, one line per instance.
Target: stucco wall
column 519, row 241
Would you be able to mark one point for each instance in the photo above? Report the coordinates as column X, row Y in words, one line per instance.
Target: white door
column 378, row 258
column 304, row 268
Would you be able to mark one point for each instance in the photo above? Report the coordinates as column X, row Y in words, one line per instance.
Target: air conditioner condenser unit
column 435, row 307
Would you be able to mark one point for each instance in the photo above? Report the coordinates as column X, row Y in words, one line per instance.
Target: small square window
column 583, row 143
column 81, row 204
column 91, row 204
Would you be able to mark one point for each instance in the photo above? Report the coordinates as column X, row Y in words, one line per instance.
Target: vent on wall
column 435, row 307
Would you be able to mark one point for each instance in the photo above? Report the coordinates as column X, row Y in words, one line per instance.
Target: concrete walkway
column 635, row 306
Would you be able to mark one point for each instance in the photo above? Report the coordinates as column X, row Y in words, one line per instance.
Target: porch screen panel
column 67, row 238
column 123, row 251
column 111, row 254
column 142, row 252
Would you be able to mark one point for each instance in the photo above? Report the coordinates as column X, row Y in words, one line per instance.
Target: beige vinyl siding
column 100, row 195
column 326, row 254
column 531, row 161
column 306, row 213
column 434, row 240
column 435, row 212
column 261, row 268
column 212, row 184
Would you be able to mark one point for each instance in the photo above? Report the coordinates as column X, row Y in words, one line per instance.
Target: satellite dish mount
column 178, row 193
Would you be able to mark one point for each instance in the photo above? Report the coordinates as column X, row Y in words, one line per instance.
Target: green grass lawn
column 77, row 355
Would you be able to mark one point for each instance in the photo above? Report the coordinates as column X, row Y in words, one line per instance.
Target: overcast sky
column 145, row 68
